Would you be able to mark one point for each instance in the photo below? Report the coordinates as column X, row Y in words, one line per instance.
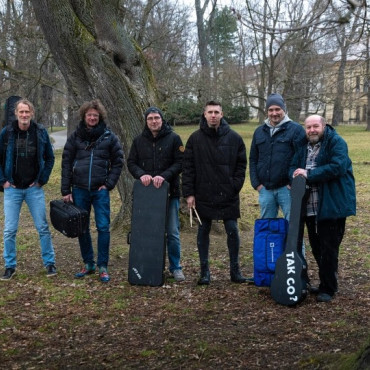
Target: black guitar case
column 289, row 284
column 147, row 238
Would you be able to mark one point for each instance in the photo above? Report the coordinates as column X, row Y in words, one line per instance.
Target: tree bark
column 99, row 60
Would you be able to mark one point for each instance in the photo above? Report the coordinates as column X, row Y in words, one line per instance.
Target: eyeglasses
column 156, row 118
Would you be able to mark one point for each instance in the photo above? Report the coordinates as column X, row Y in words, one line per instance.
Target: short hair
column 25, row 102
column 93, row 104
column 212, row 102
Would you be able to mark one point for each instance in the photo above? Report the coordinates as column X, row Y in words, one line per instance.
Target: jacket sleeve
column 178, row 155
column 253, row 160
column 189, row 171
column 336, row 162
column 48, row 158
column 116, row 162
column 68, row 157
column 133, row 159
column 241, row 166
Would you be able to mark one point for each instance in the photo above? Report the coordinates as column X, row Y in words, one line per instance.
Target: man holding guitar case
column 325, row 163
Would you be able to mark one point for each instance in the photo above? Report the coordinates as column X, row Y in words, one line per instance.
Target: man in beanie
column 271, row 151
column 156, row 156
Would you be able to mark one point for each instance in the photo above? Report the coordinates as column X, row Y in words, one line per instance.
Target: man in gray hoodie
column 271, row 151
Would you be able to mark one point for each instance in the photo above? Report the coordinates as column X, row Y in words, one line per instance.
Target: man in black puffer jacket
column 91, row 165
column 156, row 156
column 213, row 175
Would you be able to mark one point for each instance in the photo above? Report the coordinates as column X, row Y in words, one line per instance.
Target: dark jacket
column 270, row 156
column 157, row 156
column 333, row 176
column 45, row 154
column 91, row 158
column 214, row 171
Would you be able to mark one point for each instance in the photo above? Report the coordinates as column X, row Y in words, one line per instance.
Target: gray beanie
column 275, row 99
column 153, row 110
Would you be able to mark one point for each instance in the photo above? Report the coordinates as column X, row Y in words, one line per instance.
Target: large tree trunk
column 99, row 60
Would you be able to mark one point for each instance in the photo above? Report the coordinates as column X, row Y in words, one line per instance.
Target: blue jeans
column 173, row 235
column 35, row 200
column 270, row 200
column 233, row 241
column 100, row 200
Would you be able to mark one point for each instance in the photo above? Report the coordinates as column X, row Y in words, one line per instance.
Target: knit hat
column 275, row 99
column 153, row 110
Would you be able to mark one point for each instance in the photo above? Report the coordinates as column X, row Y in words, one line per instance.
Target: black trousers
column 325, row 238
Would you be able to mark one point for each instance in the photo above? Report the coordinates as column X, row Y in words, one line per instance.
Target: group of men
column 213, row 166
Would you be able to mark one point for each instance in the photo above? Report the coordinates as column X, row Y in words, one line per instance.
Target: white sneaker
column 178, row 275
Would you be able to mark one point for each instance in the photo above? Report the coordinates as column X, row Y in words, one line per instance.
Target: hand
column 158, row 181
column 6, row 185
column 300, row 172
column 146, row 180
column 102, row 187
column 259, row 187
column 68, row 198
column 190, row 200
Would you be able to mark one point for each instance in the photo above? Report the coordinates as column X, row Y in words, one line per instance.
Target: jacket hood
column 223, row 129
column 165, row 130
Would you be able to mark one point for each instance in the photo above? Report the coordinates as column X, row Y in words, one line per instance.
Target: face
column 24, row 115
column 213, row 115
column 314, row 129
column 275, row 114
column 154, row 122
column 91, row 118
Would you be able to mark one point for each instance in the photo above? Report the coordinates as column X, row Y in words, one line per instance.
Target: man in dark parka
column 213, row 175
column 325, row 163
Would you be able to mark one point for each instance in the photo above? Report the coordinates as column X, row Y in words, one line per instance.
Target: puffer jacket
column 333, row 175
column 270, row 156
column 91, row 159
column 45, row 154
column 214, row 171
column 157, row 156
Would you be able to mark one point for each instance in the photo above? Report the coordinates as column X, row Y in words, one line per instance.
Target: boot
column 205, row 276
column 236, row 276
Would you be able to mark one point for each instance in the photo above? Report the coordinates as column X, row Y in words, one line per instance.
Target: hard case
column 67, row 218
column 147, row 238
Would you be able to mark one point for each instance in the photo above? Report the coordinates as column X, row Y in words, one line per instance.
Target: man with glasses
column 156, row 156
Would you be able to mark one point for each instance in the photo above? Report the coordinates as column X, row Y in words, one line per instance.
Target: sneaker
column 103, row 275
column 51, row 271
column 87, row 270
column 178, row 275
column 8, row 274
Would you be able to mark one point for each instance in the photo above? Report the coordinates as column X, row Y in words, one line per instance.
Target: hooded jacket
column 45, row 154
column 157, row 156
column 91, row 158
column 214, row 171
column 272, row 149
column 333, row 175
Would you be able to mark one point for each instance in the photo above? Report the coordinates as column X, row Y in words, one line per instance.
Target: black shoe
column 324, row 297
column 8, row 274
column 51, row 271
column 313, row 289
column 237, row 277
column 205, row 278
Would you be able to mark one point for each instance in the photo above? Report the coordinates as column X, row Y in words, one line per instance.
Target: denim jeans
column 100, row 200
column 35, row 199
column 233, row 241
column 173, row 235
column 270, row 200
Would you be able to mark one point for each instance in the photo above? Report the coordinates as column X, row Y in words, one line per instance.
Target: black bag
column 70, row 220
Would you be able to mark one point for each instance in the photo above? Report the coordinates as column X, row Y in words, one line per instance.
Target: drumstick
column 191, row 218
column 196, row 214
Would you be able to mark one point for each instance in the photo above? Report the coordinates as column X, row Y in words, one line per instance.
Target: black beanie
column 275, row 99
column 153, row 110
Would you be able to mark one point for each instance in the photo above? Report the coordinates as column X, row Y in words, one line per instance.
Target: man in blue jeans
column 91, row 166
column 26, row 161
column 156, row 156
column 271, row 151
